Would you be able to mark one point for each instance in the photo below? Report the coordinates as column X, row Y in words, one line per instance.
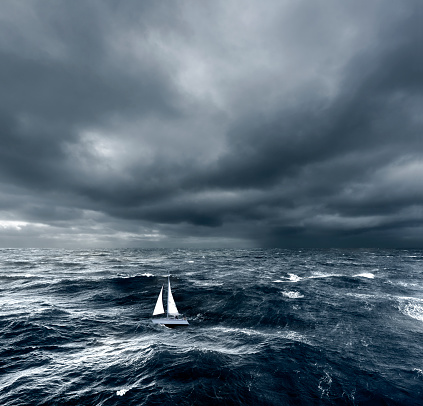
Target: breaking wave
column 293, row 295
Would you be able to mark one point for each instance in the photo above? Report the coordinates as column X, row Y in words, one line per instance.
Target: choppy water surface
column 267, row 327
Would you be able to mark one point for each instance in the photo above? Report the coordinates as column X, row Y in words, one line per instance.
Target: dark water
column 268, row 327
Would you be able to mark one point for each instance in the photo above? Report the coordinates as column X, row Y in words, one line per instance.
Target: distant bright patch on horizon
column 15, row 225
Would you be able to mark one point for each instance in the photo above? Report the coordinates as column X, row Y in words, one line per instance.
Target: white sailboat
column 173, row 317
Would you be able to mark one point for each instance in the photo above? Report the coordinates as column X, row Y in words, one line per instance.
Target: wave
column 337, row 331
column 419, row 372
column 293, row 295
column 411, row 307
column 121, row 392
column 365, row 275
column 292, row 278
column 318, row 275
column 126, row 276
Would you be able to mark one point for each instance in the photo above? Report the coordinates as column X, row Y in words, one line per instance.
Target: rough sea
column 267, row 327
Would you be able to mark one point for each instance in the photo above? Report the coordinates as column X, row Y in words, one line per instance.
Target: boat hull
column 171, row 322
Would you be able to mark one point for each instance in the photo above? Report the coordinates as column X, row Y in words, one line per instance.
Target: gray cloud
column 224, row 124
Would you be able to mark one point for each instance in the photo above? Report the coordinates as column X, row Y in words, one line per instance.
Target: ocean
column 267, row 327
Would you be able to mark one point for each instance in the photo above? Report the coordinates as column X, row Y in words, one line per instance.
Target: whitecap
column 127, row 276
column 419, row 372
column 293, row 295
column 412, row 309
column 324, row 275
column 293, row 277
column 122, row 391
column 365, row 275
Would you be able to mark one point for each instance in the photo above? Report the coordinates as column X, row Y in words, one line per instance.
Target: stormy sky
column 233, row 123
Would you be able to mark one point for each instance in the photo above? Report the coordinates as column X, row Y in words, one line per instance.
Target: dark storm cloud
column 376, row 108
column 257, row 123
column 57, row 76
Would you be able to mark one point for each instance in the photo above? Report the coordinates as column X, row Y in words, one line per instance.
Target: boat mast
column 172, row 310
column 168, row 295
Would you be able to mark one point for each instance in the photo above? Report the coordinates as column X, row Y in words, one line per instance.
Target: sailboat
column 173, row 317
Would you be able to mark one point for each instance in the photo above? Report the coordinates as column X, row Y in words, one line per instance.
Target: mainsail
column 159, row 309
column 171, row 306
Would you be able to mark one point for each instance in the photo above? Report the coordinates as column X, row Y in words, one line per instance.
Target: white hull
column 171, row 322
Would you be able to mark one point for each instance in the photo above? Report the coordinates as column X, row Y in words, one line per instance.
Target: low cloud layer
column 222, row 124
